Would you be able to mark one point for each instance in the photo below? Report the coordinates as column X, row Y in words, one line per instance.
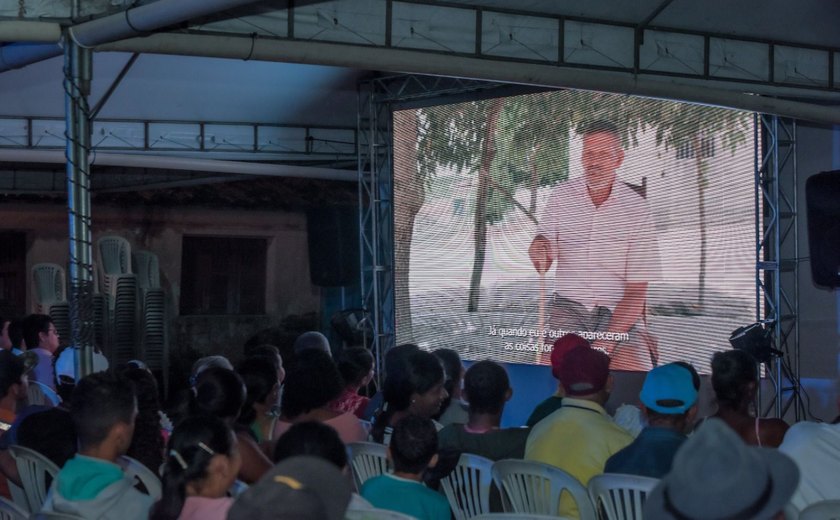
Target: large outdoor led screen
column 629, row 221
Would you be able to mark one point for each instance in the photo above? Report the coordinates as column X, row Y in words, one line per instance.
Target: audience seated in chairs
column 201, row 465
column 552, row 403
column 454, row 409
column 580, row 436
column 716, row 475
column 669, row 402
column 356, row 367
column 91, row 484
column 311, row 385
column 412, row 450
column 487, row 389
column 415, row 387
column 220, row 392
column 735, row 380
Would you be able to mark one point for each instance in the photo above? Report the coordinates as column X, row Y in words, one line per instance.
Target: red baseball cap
column 561, row 347
column 584, row 371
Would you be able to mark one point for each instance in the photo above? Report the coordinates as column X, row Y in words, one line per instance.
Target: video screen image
column 626, row 220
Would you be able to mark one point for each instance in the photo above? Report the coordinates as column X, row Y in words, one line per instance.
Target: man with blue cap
column 669, row 403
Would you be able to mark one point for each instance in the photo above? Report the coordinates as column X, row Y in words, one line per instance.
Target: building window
column 223, row 275
column 707, row 149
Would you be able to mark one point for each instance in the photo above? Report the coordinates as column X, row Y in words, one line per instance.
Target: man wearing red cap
column 551, row 403
column 580, row 436
column 600, row 237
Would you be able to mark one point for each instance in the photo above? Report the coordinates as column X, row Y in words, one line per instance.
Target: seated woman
column 311, row 385
column 262, row 396
column 734, row 380
column 356, row 367
column 418, row 389
column 201, row 464
column 148, row 439
column 221, row 393
column 454, row 409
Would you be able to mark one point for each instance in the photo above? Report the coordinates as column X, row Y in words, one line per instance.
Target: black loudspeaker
column 822, row 194
column 333, row 238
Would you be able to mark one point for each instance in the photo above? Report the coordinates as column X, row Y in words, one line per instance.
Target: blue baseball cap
column 668, row 389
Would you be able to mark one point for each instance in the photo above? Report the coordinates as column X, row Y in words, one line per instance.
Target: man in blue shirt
column 669, row 402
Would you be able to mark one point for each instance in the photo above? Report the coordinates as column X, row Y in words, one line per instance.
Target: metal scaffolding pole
column 77, row 76
column 777, row 257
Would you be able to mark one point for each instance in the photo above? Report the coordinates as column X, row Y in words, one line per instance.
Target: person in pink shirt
column 202, row 462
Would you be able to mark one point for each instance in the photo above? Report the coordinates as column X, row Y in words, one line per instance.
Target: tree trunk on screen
column 488, row 152
column 702, row 183
column 409, row 196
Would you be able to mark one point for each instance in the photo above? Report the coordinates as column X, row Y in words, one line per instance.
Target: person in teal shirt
column 413, row 449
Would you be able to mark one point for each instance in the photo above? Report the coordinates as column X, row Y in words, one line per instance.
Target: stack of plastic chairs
column 154, row 344
column 50, row 291
column 119, row 286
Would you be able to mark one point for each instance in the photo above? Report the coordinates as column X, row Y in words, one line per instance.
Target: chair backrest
column 534, row 487
column 620, row 497
column 367, row 459
column 142, row 475
column 114, row 255
column 375, row 514
column 11, row 511
column 824, row 510
column 34, row 470
column 40, row 394
column 146, row 267
column 467, row 487
column 49, row 286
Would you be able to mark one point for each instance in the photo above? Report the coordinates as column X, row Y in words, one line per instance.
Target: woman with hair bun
column 201, row 464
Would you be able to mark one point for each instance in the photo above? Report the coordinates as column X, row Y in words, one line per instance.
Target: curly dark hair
column 355, row 364
column 732, row 372
column 312, row 383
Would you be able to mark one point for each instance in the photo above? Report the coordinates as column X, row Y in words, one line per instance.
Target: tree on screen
column 694, row 127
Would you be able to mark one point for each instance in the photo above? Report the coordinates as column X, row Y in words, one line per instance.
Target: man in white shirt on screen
column 600, row 236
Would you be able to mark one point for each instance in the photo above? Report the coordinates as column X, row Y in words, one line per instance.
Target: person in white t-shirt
column 815, row 447
column 600, row 237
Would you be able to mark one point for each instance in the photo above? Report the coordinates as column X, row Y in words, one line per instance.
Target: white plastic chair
column 41, row 515
column 114, row 255
column 146, row 266
column 11, row 511
column 34, row 470
column 40, row 394
column 824, row 510
column 137, row 471
column 367, row 459
column 49, row 284
column 467, row 487
column 620, row 497
column 375, row 514
column 534, row 487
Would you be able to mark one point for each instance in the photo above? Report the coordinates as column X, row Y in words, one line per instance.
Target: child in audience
column 91, row 484
column 220, row 392
column 201, row 465
column 413, row 449
column 416, row 388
